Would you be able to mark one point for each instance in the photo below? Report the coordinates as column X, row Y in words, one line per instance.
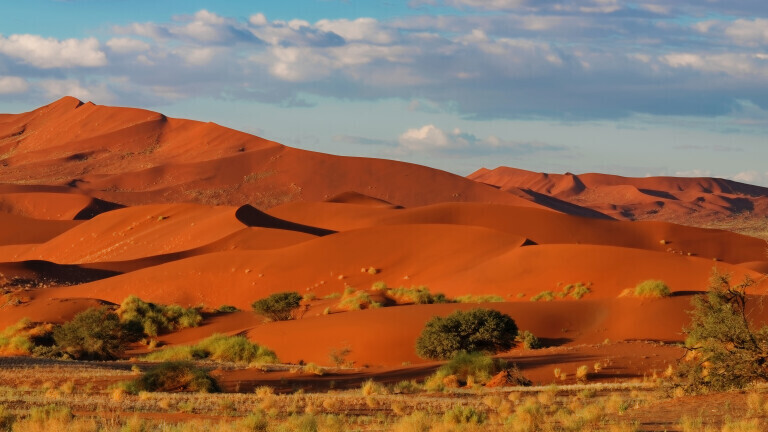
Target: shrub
column 529, row 340
column 173, row 376
column 149, row 319
column 464, row 415
column 357, row 301
column 471, row 367
column 277, row 307
column 724, row 351
column 227, row 309
column 476, row 330
column 93, row 334
column 652, row 288
column 483, row 298
column 544, row 295
column 236, row 349
column 416, row 295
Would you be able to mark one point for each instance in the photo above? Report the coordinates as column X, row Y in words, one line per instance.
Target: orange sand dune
column 662, row 198
column 53, row 206
column 387, row 337
column 540, row 226
column 22, row 230
column 137, row 232
column 152, row 158
column 323, row 266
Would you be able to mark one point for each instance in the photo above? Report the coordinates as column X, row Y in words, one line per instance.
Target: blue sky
column 646, row 87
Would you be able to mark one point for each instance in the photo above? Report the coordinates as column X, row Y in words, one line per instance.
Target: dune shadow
column 46, row 272
column 253, row 217
column 565, row 206
column 95, row 208
column 685, row 293
column 554, row 342
column 659, row 194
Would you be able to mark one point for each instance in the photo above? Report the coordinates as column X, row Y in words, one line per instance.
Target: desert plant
column 471, row 367
column 544, row 295
column 227, row 309
column 236, row 349
column 529, row 340
column 416, row 295
column 476, row 330
column 652, row 288
column 277, row 307
column 173, row 376
column 93, row 334
column 481, row 298
column 141, row 318
column 724, row 350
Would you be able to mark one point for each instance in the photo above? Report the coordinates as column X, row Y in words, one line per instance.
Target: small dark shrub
column 477, row 330
column 94, row 334
column 277, row 307
column 174, row 376
column 529, row 340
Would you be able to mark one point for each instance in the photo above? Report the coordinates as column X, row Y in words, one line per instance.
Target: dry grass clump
column 357, row 300
column 652, row 288
column 544, row 295
column 173, row 376
column 218, row 347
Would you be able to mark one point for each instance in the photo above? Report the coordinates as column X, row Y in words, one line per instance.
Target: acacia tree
column 94, row 334
column 724, row 351
column 478, row 330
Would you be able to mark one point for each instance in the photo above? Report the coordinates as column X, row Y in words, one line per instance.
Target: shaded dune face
column 99, row 203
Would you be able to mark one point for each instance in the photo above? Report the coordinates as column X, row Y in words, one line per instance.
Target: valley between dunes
column 99, row 203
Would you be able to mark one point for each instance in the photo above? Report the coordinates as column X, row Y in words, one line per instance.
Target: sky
column 635, row 88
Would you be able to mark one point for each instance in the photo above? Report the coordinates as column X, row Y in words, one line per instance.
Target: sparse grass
column 173, row 376
column 652, row 288
column 415, row 295
column 357, row 300
column 218, row 347
column 544, row 295
column 481, row 298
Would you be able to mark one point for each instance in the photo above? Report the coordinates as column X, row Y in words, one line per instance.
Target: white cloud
column 361, row 29
column 693, row 173
column 752, row 32
column 13, row 85
column 55, row 89
column 47, row 53
column 431, row 139
column 752, row 177
column 127, row 45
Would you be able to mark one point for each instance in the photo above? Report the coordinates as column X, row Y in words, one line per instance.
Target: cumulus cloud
column 47, row 53
column 432, row 139
column 752, row 177
column 13, row 85
column 127, row 45
column 97, row 93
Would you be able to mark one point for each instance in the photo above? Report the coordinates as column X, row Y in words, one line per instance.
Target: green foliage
column 357, row 301
column 483, row 298
column 529, row 340
column 15, row 338
column 218, row 347
column 475, row 330
column 152, row 319
column 544, row 295
column 464, row 415
column 94, row 334
column 278, row 306
column 173, row 376
column 724, row 351
column 652, row 288
column 416, row 295
column 577, row 290
column 227, row 309
column 474, row 366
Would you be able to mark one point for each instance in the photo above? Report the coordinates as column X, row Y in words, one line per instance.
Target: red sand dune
column 216, row 216
column 540, row 226
column 662, row 198
column 151, row 158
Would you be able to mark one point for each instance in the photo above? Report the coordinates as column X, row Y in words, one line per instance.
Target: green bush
column 529, row 340
column 226, row 309
column 474, row 366
column 173, row 376
column 725, row 352
column 152, row 319
column 544, row 295
column 416, row 295
column 482, row 298
column 94, row 334
column 652, row 288
column 477, row 330
column 236, row 349
column 277, row 307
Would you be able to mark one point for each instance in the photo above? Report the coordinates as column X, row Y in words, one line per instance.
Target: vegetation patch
column 652, row 288
column 95, row 334
column 278, row 306
column 173, row 377
column 151, row 319
column 236, row 349
column 544, row 295
column 476, row 330
column 481, row 298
